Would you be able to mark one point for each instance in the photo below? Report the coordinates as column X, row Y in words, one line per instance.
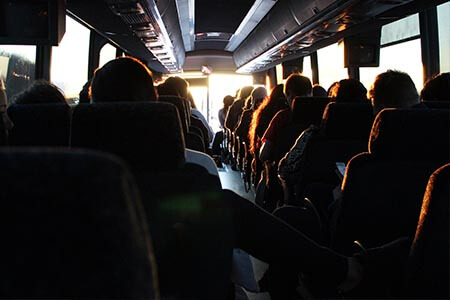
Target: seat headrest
column 411, row 134
column 40, row 124
column 347, row 121
column 309, row 108
column 181, row 107
column 72, row 227
column 147, row 135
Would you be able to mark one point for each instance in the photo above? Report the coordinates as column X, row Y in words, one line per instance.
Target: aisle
column 232, row 180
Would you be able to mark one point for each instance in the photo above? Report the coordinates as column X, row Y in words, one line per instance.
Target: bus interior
column 161, row 199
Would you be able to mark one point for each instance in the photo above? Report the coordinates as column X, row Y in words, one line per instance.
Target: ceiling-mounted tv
column 32, row 22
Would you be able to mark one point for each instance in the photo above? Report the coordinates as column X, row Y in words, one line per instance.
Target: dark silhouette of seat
column 437, row 104
column 382, row 190
column 306, row 111
column 146, row 135
column 428, row 266
column 72, row 227
column 3, row 131
column 193, row 141
column 40, row 124
column 344, row 132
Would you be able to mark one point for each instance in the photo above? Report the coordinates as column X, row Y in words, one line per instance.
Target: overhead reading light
column 256, row 13
column 186, row 17
column 144, row 20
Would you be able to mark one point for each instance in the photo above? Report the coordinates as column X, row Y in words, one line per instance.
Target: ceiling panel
column 220, row 15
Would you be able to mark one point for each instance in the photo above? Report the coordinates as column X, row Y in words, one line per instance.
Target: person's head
column 318, row 91
column 297, row 85
column 258, row 95
column 245, row 92
column 332, row 90
column 122, row 79
column 393, row 89
column 40, row 92
column 178, row 86
column 349, row 91
column 437, row 88
column 227, row 101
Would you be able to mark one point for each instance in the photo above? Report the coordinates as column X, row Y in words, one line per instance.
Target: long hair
column 263, row 115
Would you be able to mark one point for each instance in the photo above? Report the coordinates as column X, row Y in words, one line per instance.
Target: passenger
column 260, row 121
column 331, row 89
column 393, row 89
column 84, row 93
column 437, row 88
column 236, row 108
column 110, row 85
column 256, row 98
column 252, row 229
column 227, row 101
column 348, row 91
column 296, row 86
column 178, row 86
column 196, row 113
column 218, row 138
column 318, row 91
column 40, row 92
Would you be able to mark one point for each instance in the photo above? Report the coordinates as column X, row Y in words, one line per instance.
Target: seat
column 40, row 124
column 437, row 104
column 72, row 227
column 146, row 135
column 382, row 190
column 428, row 265
column 344, row 132
column 306, row 111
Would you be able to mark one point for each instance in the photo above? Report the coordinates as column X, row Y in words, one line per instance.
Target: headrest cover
column 72, row 227
column 309, row 108
column 347, row 121
column 411, row 134
column 147, row 135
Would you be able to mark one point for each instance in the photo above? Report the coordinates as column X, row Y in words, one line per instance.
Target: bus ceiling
column 246, row 36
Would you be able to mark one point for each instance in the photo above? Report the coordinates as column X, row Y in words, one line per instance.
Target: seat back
column 40, row 124
column 180, row 105
column 428, row 267
column 437, row 104
column 344, row 132
column 306, row 111
column 382, row 190
column 146, row 135
column 72, row 227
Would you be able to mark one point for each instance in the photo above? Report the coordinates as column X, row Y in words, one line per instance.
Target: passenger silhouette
column 348, row 91
column 40, row 92
column 296, row 86
column 437, row 88
column 393, row 89
column 318, row 91
column 235, row 109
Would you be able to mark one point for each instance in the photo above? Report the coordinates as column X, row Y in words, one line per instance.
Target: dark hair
column 177, row 86
column 297, row 85
column 437, row 88
column 122, row 79
column 227, row 101
column 393, row 89
column 245, row 92
column 40, row 92
column 318, row 91
column 349, row 91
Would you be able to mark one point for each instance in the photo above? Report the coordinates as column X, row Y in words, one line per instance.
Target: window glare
column 69, row 65
column 17, row 67
column 400, row 30
column 107, row 53
column 331, row 65
column 444, row 36
column 307, row 70
column 405, row 57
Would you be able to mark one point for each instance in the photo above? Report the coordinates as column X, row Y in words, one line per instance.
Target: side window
column 69, row 66
column 307, row 70
column 331, row 65
column 400, row 50
column 444, row 36
column 107, row 53
column 17, row 67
